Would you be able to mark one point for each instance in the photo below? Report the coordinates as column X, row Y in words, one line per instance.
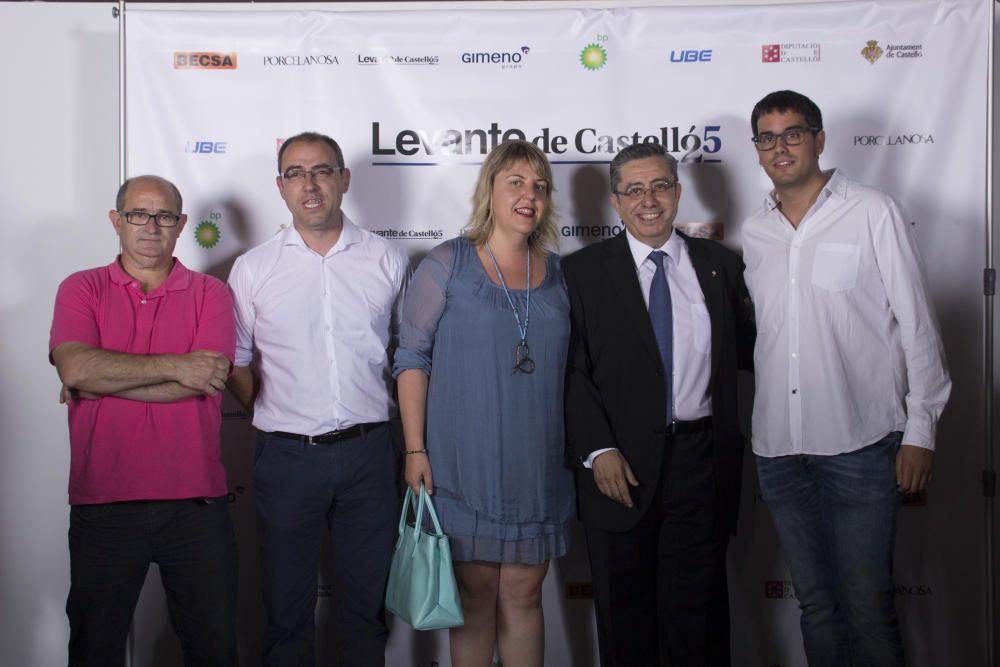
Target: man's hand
column 67, row 394
column 913, row 468
column 202, row 370
column 614, row 476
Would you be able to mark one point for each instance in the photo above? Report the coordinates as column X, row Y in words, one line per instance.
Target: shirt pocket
column 701, row 327
column 835, row 266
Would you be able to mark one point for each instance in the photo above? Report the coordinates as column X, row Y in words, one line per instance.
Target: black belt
column 696, row 426
column 330, row 437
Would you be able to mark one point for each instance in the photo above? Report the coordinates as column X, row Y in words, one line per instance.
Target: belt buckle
column 309, row 441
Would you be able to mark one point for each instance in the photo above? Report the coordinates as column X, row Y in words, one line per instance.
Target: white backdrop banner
column 417, row 98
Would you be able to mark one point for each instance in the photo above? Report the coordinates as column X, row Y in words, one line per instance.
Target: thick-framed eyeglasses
column 320, row 173
column 637, row 192
column 141, row 218
column 793, row 136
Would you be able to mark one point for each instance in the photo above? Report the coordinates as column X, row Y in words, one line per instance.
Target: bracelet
column 415, row 451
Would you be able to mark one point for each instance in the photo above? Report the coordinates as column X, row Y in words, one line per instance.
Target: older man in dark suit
column 660, row 324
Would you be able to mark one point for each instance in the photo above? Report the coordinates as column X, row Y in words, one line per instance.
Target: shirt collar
column 835, row 185
column 675, row 247
column 350, row 234
column 178, row 278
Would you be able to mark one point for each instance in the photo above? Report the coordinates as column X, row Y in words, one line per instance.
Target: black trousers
column 660, row 588
column 351, row 486
column 111, row 546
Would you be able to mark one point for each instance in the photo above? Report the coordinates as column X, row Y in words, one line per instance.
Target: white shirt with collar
column 848, row 347
column 323, row 326
column 691, row 324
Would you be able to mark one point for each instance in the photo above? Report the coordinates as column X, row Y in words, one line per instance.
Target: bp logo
column 207, row 234
column 593, row 57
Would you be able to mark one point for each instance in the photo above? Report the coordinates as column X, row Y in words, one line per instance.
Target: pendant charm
column 522, row 359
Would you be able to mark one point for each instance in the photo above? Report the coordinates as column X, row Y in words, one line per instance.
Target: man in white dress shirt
column 318, row 303
column 850, row 382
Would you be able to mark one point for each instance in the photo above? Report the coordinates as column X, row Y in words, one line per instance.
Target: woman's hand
column 418, row 468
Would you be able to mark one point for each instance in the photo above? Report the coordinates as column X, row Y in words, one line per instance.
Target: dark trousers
column 660, row 588
column 111, row 546
column 351, row 486
column 836, row 518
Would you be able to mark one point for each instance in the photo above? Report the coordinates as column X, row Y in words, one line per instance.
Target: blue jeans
column 836, row 519
column 111, row 546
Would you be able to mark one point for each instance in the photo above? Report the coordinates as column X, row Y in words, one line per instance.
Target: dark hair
column 171, row 188
column 787, row 100
column 639, row 152
column 312, row 137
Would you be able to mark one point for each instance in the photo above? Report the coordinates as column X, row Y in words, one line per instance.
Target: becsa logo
column 204, row 60
column 217, row 147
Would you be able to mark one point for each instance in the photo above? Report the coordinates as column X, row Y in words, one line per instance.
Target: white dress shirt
column 848, row 347
column 323, row 326
column 691, row 324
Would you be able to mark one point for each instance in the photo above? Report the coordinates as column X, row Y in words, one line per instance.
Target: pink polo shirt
column 134, row 450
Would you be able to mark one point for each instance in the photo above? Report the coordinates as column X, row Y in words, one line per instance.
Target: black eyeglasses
column 793, row 136
column 658, row 188
column 140, row 218
column 320, row 173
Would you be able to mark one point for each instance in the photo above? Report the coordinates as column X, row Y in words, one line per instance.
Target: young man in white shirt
column 850, row 382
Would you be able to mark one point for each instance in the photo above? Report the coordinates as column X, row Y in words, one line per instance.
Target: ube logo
column 216, row 147
column 691, row 56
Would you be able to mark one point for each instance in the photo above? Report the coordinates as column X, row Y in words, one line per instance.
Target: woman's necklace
column 523, row 362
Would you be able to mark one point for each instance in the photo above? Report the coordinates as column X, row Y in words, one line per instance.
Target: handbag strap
column 418, row 511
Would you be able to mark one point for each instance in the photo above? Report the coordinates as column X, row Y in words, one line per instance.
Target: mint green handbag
column 422, row 589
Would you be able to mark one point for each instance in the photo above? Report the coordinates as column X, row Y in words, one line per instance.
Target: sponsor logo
column 205, row 147
column 593, row 57
column 409, row 234
column 204, row 60
column 914, row 590
column 593, row 232
column 390, row 59
column 776, row 589
column 311, row 60
column 579, row 590
column 893, row 139
column 207, row 233
column 872, row 51
column 506, row 59
column 691, row 56
column 698, row 144
column 702, row 230
column 791, row 52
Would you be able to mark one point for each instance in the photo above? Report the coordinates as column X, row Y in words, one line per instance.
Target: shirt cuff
column 588, row 462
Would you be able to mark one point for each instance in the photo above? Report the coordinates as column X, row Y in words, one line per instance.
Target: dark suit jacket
column 615, row 393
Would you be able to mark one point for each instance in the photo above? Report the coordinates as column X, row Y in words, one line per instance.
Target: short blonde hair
column 480, row 225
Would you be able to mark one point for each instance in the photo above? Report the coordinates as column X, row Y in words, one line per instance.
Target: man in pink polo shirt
column 143, row 347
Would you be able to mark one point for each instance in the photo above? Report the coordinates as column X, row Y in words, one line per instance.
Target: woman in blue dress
column 480, row 371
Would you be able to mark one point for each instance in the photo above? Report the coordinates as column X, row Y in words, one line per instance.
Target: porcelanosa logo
column 298, row 60
column 505, row 59
column 906, row 139
column 204, row 60
column 790, row 52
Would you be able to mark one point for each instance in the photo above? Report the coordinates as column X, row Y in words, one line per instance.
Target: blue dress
column 495, row 439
